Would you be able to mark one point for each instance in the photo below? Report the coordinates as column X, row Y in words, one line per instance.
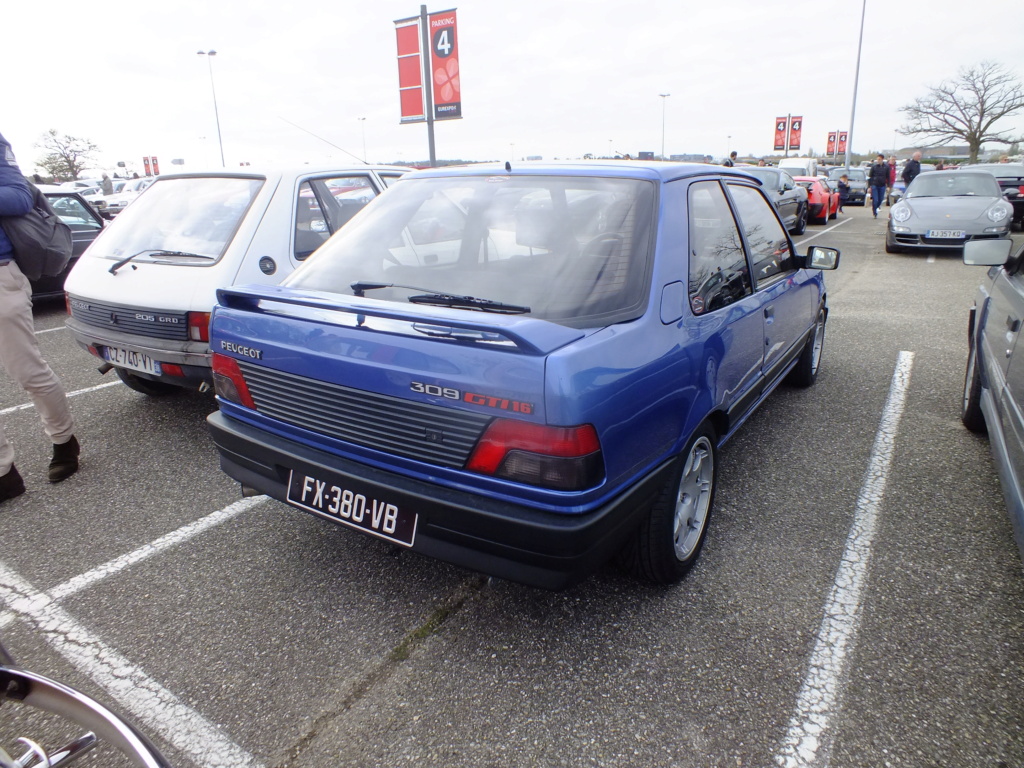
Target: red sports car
column 822, row 202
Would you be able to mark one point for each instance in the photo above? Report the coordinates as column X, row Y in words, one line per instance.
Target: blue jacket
column 15, row 195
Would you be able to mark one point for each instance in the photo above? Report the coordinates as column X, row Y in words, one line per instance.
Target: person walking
column 878, row 178
column 19, row 351
column 730, row 161
column 844, row 191
column 912, row 168
column 107, row 185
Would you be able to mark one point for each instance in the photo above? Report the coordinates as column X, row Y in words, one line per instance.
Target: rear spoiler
column 530, row 335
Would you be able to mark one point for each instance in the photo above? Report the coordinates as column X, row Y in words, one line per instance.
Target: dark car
column 1011, row 180
column 993, row 399
column 858, row 181
column 525, row 370
column 85, row 223
column 789, row 197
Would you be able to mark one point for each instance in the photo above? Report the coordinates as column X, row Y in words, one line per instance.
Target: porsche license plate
column 350, row 505
column 946, row 234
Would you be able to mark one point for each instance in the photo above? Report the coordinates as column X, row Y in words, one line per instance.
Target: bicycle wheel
column 21, row 690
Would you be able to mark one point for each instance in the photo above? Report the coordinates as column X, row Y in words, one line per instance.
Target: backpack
column 41, row 241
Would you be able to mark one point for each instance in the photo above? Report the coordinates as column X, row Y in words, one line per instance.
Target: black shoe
column 11, row 484
column 65, row 460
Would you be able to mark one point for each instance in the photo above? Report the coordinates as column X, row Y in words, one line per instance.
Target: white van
column 799, row 166
column 140, row 297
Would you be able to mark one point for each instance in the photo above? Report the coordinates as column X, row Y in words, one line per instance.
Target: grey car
column 1011, row 179
column 945, row 209
column 789, row 198
column 993, row 399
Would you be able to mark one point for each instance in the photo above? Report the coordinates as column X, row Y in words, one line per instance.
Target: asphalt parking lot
column 859, row 602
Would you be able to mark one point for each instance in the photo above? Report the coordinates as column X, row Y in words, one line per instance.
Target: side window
column 310, row 223
column 767, row 240
column 74, row 214
column 718, row 273
column 390, row 178
column 324, row 206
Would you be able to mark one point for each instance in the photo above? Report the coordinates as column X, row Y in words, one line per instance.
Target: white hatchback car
column 140, row 297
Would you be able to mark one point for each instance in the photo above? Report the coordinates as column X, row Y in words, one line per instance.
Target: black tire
column 970, row 409
column 805, row 372
column 145, row 386
column 671, row 536
column 890, row 246
column 801, row 221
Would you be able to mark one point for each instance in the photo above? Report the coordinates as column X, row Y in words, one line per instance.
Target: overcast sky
column 555, row 78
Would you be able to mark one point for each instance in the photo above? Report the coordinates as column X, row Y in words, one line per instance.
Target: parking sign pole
column 427, row 84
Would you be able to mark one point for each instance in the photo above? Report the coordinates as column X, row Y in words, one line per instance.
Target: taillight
column 559, row 458
column 228, row 381
column 199, row 326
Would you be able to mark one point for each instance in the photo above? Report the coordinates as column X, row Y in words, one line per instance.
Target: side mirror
column 819, row 257
column 987, row 253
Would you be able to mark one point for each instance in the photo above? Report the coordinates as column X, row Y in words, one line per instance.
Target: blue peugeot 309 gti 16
column 523, row 371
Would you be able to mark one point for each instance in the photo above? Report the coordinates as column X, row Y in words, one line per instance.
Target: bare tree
column 967, row 108
column 67, row 156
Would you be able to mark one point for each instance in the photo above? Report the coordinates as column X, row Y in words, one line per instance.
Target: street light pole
column 209, row 55
column 856, row 79
column 664, row 96
column 362, row 122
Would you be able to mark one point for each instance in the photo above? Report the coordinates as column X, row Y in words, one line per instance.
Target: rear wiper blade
column 443, row 299
column 157, row 252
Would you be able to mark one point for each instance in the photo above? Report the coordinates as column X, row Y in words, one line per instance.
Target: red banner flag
column 145, row 164
column 444, row 66
column 831, row 144
column 410, row 71
column 155, row 164
column 796, row 125
column 780, row 133
column 842, row 143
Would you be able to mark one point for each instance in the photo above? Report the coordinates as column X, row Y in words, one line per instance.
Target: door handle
column 1012, row 324
column 769, row 313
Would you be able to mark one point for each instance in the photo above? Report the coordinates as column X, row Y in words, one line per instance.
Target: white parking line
column 172, row 539
column 819, row 234
column 76, row 393
column 159, row 710
column 808, row 742
column 51, row 330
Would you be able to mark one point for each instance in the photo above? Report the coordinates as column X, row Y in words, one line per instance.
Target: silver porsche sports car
column 945, row 209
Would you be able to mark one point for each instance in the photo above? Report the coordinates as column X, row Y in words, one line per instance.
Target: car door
column 722, row 300
column 1003, row 356
column 789, row 199
column 789, row 297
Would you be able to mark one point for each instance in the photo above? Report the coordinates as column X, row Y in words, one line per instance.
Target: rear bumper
column 192, row 357
column 510, row 541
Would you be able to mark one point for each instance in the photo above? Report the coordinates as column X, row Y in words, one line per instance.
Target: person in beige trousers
column 19, row 351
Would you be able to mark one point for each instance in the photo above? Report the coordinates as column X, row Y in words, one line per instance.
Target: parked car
column 799, row 166
column 899, row 187
column 945, row 209
column 993, row 399
column 522, row 370
column 140, row 298
column 1011, row 180
column 131, row 189
column 85, row 224
column 858, row 180
column 788, row 197
column 822, row 201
